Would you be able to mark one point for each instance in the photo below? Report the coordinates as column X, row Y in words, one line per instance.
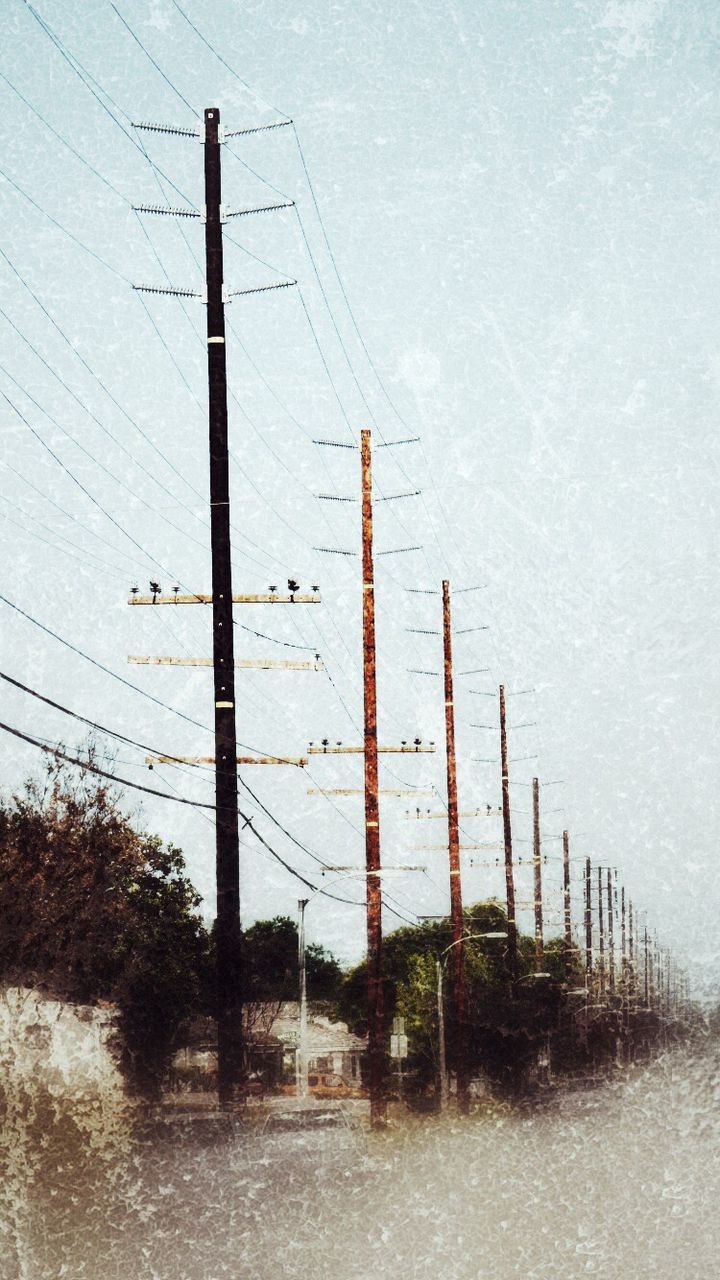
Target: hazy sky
column 521, row 199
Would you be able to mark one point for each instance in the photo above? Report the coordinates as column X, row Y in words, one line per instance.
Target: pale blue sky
column 522, row 203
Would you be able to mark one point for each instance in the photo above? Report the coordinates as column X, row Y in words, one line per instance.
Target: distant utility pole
column 537, row 867
column 611, row 933
column 631, row 950
column 376, row 1033
column 566, row 901
column 507, row 834
column 588, row 922
column 601, row 934
column 301, row 1080
column 456, row 906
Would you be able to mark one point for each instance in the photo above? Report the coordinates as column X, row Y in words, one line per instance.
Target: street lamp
column 440, row 972
column 301, row 1055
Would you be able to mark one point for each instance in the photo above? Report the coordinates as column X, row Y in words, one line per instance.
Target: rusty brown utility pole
column 611, row 934
column 456, row 906
column 588, row 922
column 376, row 1030
column 537, row 869
column 566, row 901
column 631, row 950
column 601, row 934
column 507, row 835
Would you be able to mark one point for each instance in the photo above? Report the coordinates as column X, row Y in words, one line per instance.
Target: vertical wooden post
column 507, row 834
column 646, row 970
column 376, row 1030
column 228, row 939
column 456, row 906
column 611, row 934
column 588, row 923
column 301, row 1065
column 566, row 901
column 537, row 878
column 601, row 933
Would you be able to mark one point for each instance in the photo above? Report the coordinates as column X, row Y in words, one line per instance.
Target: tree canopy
column 271, row 964
column 93, row 910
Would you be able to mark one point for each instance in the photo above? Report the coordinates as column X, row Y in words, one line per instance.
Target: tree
column 93, row 909
column 507, row 1024
column 271, row 964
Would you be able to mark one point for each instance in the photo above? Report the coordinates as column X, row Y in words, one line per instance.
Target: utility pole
column 507, row 834
column 632, row 964
column 567, row 910
column 376, row 1034
column 646, row 970
column 537, row 868
column 456, row 906
column 611, row 934
column 229, row 997
column 601, row 929
column 588, row 923
column 301, row 1075
column 441, row 1037
column 228, row 939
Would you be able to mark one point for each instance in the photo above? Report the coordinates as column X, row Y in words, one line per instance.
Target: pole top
column 212, row 113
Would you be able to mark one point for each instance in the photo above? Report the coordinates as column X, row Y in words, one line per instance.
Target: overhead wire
column 56, row 751
column 73, row 68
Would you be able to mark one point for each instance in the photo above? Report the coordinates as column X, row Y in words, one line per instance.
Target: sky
column 503, row 242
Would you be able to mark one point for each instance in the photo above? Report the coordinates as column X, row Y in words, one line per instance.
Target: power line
column 81, row 486
column 152, row 60
column 65, row 142
column 111, row 571
column 108, row 266
column 227, row 66
column 86, row 766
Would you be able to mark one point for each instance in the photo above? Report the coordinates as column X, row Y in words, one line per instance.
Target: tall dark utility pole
column 507, row 834
column 228, row 940
column 537, row 877
column 456, row 906
column 376, row 1031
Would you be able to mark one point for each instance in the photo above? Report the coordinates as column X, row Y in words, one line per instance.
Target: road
column 617, row 1182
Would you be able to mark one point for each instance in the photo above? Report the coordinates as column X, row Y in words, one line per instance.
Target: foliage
column 507, row 1024
column 94, row 910
column 271, row 964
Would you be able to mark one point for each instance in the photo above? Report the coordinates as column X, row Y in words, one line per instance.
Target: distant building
column 271, row 1033
column 331, row 1048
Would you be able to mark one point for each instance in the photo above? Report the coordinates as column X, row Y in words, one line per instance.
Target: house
column 331, row 1048
column 271, row 1038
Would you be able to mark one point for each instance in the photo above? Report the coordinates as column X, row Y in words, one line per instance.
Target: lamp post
column 301, row 1055
column 440, row 972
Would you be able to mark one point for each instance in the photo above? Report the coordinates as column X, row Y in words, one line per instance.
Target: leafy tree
column 507, row 1025
column 92, row 909
column 271, row 964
